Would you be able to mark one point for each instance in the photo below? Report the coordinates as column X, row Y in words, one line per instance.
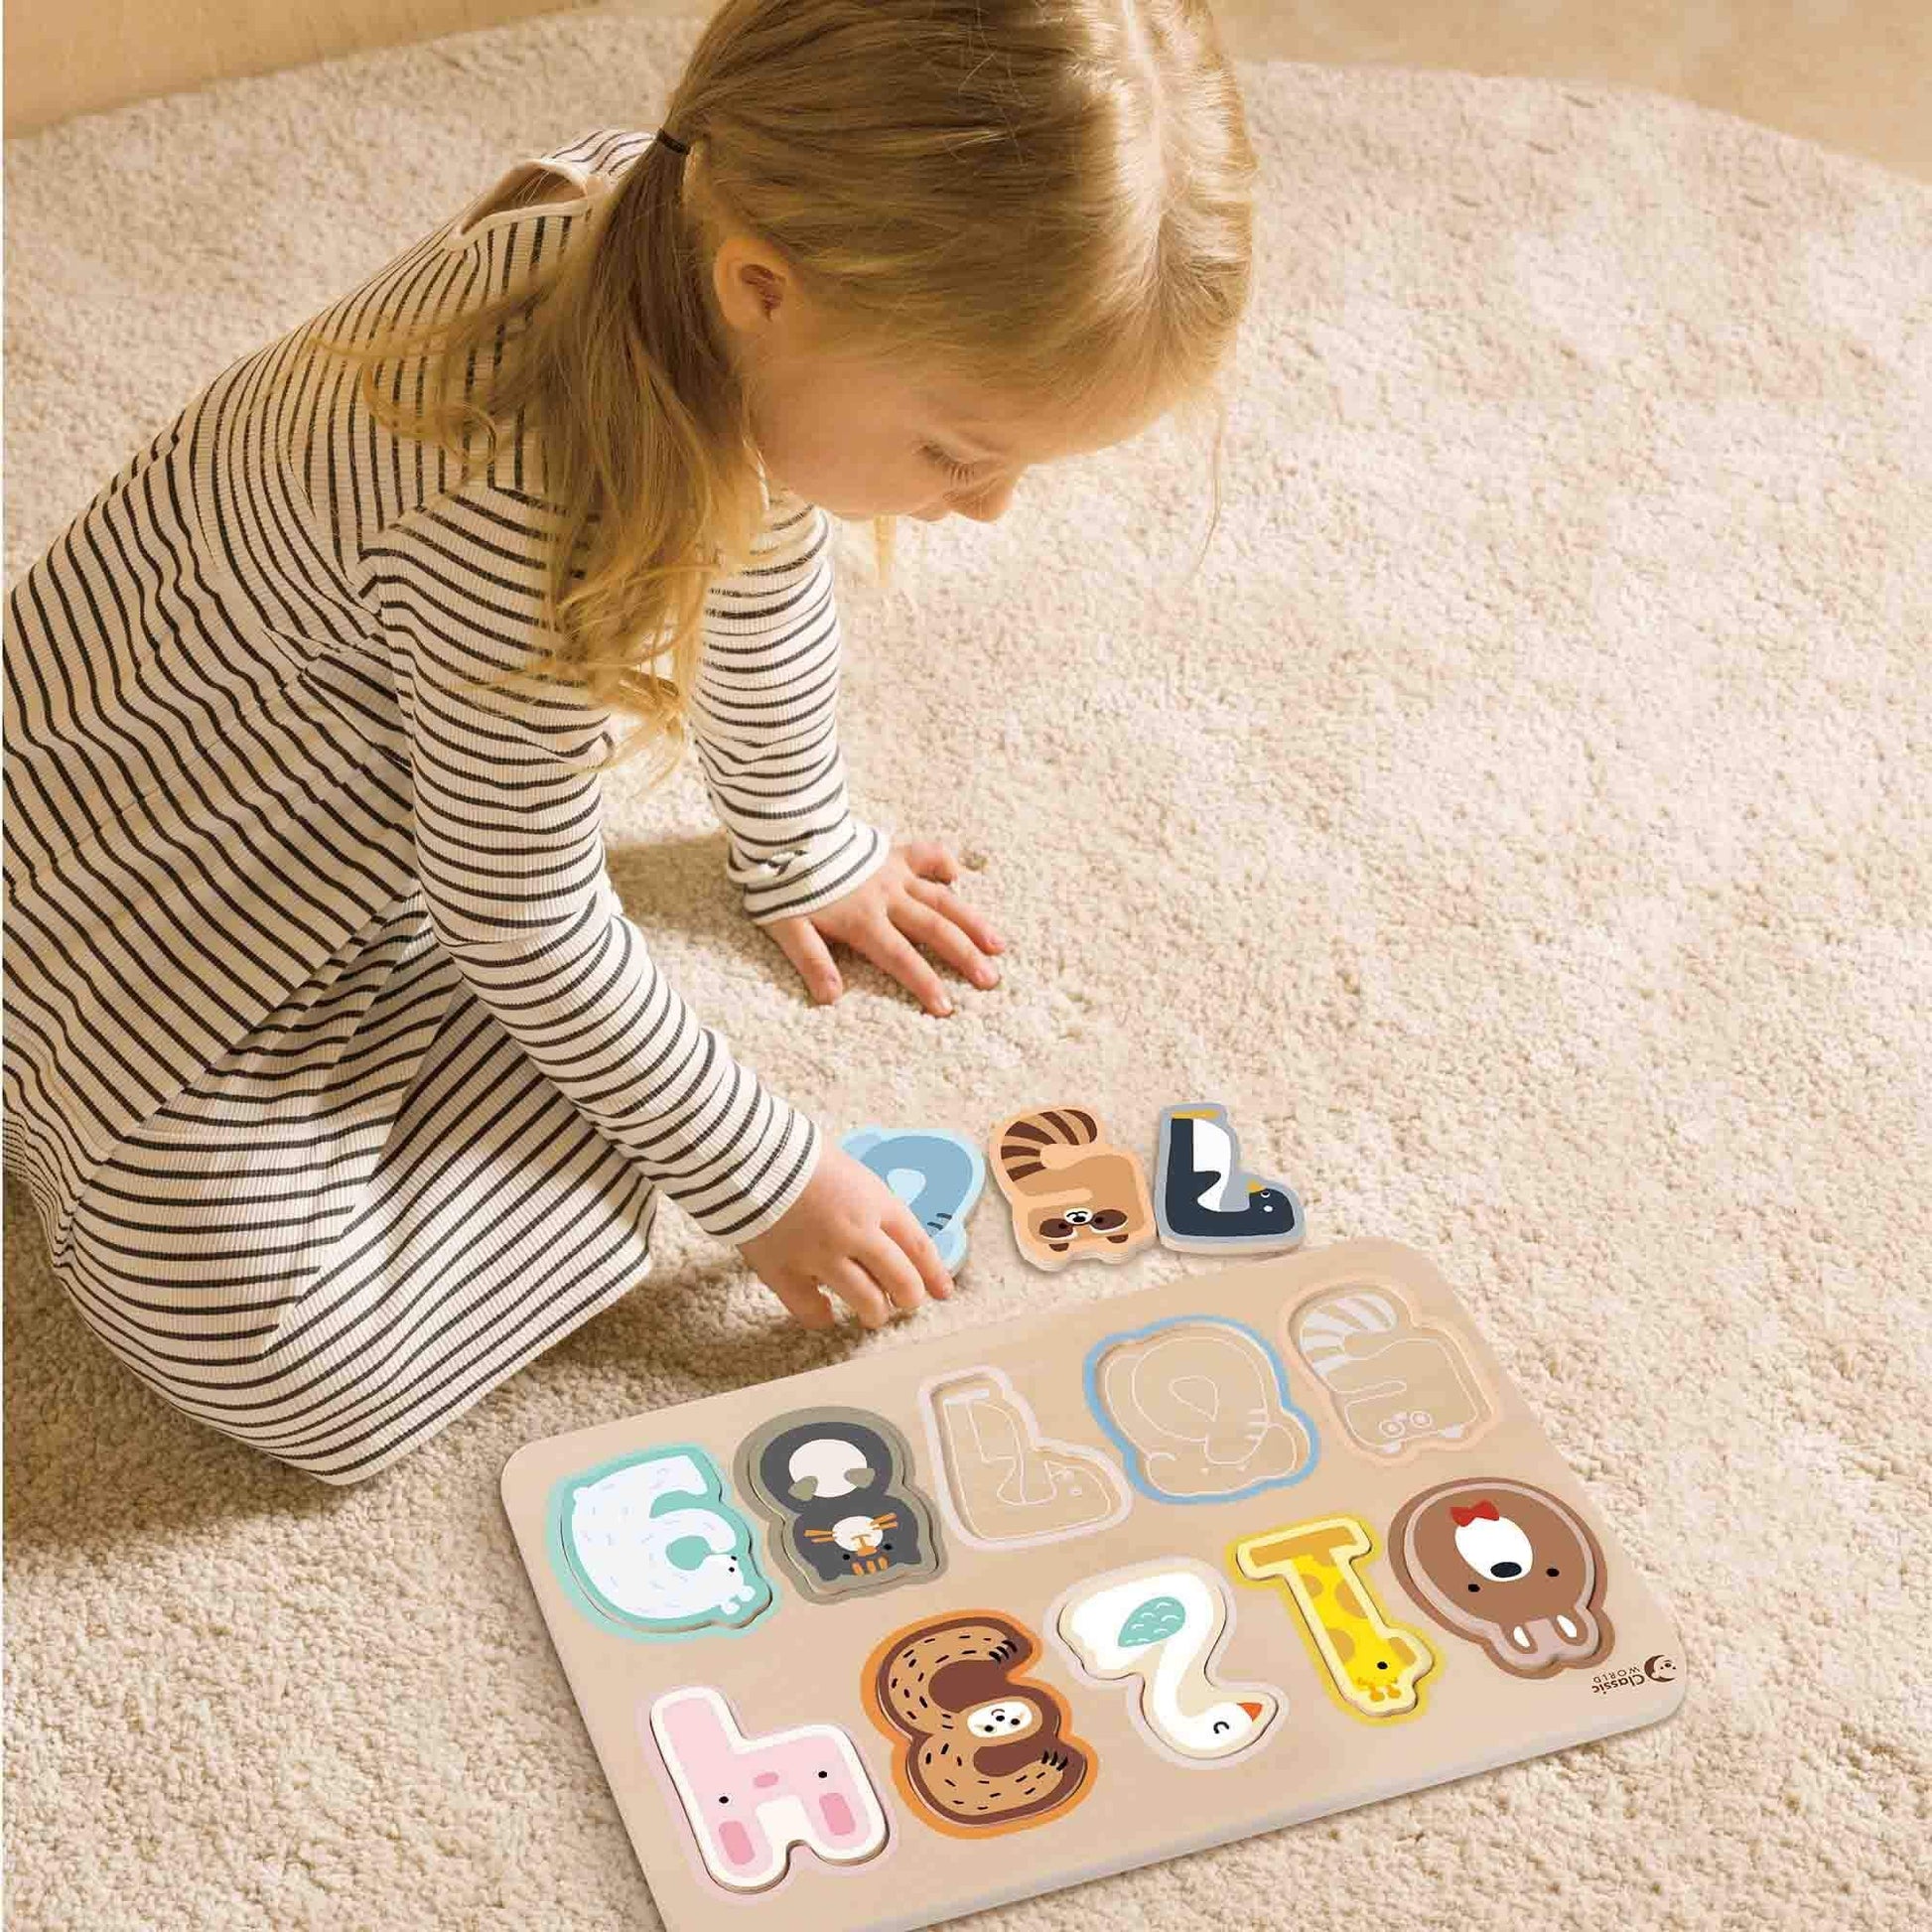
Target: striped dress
column 341, row 1084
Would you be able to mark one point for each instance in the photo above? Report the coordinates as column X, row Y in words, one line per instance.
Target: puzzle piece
column 650, row 1545
column 1161, row 1623
column 750, row 1800
column 1203, row 1199
column 836, row 1487
column 983, row 1747
column 1509, row 1567
column 1372, row 1667
column 936, row 1173
column 1075, row 1196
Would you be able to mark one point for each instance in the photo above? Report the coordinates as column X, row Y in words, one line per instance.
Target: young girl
column 342, row 1084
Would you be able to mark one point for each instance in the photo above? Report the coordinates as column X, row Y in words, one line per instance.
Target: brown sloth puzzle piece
column 983, row 1748
column 1508, row 1567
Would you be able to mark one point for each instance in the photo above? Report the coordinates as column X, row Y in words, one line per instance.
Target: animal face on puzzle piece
column 1372, row 1668
column 1202, row 1199
column 983, row 1748
column 1075, row 1196
column 1161, row 1623
column 1004, row 1486
column 750, row 1800
column 1509, row 1567
column 836, row 1487
column 1200, row 1407
column 1398, row 1386
column 647, row 1545
column 938, row 1175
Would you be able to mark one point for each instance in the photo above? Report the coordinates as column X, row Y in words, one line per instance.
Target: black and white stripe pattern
column 341, row 1083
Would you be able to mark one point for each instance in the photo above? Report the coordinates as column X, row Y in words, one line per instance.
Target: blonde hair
column 1045, row 198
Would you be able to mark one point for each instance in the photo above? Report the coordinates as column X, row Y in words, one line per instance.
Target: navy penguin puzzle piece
column 1202, row 1197
column 937, row 1175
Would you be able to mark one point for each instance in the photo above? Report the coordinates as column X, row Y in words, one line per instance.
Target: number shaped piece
column 1371, row 1667
column 982, row 1747
column 1202, row 1197
column 1509, row 1567
column 1164, row 1622
column 836, row 1486
column 1398, row 1385
column 938, row 1173
column 648, row 1545
column 1075, row 1195
column 750, row 1800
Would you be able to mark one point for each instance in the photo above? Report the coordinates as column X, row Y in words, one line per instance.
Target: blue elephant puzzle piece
column 938, row 1175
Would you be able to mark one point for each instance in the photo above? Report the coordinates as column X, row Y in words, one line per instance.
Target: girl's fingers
column 800, row 942
column 806, row 1303
column 860, row 1293
column 975, row 923
column 892, row 1268
column 887, row 947
column 930, row 859
column 920, row 922
column 915, row 1242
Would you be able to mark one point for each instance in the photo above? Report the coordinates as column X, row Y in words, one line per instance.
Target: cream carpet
column 1521, row 821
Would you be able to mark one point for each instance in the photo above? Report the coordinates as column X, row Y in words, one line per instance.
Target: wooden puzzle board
column 1415, row 1588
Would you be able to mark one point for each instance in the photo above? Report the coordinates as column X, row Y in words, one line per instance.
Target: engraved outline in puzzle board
column 1208, row 1401
column 999, row 1735
column 993, row 1463
column 1484, row 1573
column 1398, row 1385
column 1373, row 1668
column 693, row 1559
column 1158, row 1628
column 842, row 1528
column 748, row 1801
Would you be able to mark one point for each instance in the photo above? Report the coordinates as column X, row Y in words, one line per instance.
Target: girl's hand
column 904, row 901
column 848, row 1232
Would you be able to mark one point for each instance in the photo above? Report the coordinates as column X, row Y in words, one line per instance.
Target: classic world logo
column 1659, row 1669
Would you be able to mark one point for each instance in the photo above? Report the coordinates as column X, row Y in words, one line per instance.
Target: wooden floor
column 1856, row 74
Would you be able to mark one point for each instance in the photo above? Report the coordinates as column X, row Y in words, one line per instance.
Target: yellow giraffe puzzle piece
column 1372, row 1667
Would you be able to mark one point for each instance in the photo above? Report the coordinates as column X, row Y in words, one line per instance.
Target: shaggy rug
column 1519, row 814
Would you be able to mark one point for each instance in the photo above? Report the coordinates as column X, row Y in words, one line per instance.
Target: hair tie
column 672, row 142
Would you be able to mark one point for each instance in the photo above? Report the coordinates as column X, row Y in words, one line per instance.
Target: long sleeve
column 509, row 844
column 765, row 724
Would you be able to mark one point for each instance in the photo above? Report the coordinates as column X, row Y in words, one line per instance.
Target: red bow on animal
column 1486, row 1510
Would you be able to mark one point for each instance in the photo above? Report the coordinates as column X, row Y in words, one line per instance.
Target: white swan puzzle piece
column 1161, row 1623
column 1166, row 1569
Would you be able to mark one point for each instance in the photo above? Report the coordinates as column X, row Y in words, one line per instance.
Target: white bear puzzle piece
column 655, row 1547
